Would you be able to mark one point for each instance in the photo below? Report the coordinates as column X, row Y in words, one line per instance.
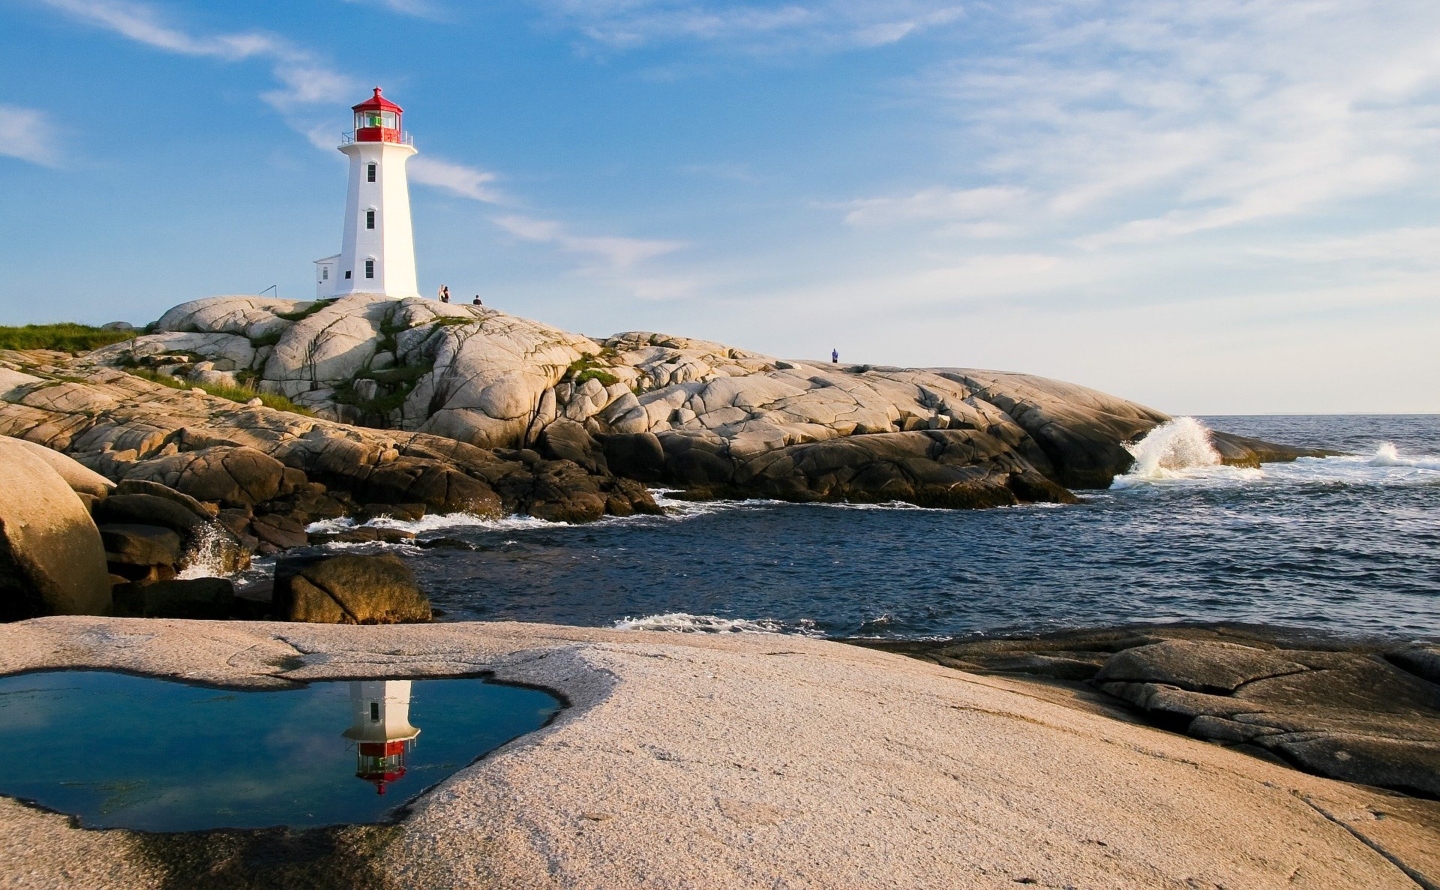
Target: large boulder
column 200, row 598
column 348, row 589
column 52, row 561
column 232, row 476
column 80, row 478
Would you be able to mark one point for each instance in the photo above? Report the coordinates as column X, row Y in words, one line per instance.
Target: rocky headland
column 237, row 423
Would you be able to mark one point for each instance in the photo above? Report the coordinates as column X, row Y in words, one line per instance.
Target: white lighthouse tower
column 377, row 252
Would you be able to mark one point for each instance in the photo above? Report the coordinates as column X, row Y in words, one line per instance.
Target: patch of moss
column 62, row 337
column 233, row 393
column 308, row 310
column 448, row 320
column 269, row 339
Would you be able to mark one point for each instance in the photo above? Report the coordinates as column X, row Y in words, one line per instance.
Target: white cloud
column 304, row 78
column 27, row 134
column 1150, row 120
column 1413, row 245
column 458, row 179
column 824, row 25
column 934, row 204
column 618, row 254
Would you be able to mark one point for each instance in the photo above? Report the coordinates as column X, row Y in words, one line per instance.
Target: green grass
column 233, row 393
column 586, row 368
column 309, row 310
column 64, row 337
column 454, row 319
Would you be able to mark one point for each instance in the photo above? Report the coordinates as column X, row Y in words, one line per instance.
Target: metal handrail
column 348, row 137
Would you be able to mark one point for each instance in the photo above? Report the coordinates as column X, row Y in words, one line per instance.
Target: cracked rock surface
column 1358, row 710
column 712, row 419
column 736, row 762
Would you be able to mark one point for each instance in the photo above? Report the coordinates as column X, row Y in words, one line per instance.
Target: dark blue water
column 1343, row 544
column 134, row 752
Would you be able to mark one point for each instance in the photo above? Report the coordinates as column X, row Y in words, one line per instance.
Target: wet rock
column 140, row 545
column 363, row 534
column 1421, row 661
column 279, row 531
column 348, row 589
column 205, row 541
column 199, row 598
column 568, row 440
column 1197, row 666
column 1355, row 710
column 401, row 512
column 52, row 561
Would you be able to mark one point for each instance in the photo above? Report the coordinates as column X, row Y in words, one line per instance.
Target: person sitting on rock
column 476, row 301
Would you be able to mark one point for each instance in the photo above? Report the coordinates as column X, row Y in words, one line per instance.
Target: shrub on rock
column 348, row 589
column 52, row 561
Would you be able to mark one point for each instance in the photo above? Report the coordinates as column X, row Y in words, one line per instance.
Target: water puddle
column 120, row 751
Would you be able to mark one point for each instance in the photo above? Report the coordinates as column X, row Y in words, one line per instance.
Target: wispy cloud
column 423, row 9
column 458, row 179
column 934, row 204
column 616, row 253
column 304, row 78
column 1410, row 244
column 28, row 134
column 824, row 25
column 1150, row 120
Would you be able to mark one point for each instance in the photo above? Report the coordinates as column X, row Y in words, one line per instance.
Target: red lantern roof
column 377, row 102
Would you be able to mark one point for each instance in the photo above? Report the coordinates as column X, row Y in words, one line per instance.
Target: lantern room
column 377, row 119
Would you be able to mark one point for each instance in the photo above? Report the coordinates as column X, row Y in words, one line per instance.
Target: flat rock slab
column 741, row 761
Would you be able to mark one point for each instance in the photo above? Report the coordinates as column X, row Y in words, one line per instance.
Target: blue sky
column 1210, row 207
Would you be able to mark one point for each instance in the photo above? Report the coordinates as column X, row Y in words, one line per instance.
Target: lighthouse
column 380, row 727
column 377, row 249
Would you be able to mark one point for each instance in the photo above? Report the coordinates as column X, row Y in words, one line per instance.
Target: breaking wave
column 1178, row 449
column 1387, row 455
column 684, row 622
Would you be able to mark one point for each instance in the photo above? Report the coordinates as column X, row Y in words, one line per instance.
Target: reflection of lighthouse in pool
column 380, row 727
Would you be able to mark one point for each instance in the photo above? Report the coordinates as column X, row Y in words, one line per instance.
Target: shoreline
column 701, row 761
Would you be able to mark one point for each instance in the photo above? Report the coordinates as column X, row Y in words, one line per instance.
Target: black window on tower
column 369, row 268
column 370, row 173
column 369, row 219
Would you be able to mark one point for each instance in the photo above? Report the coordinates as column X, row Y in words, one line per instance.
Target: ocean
column 1347, row 544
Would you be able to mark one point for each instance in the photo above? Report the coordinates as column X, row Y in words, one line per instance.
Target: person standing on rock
column 444, row 294
column 834, row 356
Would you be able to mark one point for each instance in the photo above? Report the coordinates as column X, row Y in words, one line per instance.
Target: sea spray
column 208, row 557
column 1179, row 444
column 1387, row 455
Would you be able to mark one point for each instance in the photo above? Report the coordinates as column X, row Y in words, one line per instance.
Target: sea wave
column 684, row 622
column 432, row 523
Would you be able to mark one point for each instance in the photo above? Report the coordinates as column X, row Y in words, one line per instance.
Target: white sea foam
column 684, row 622
column 1387, row 455
column 208, row 561
column 434, row 522
column 1179, row 450
column 1179, row 453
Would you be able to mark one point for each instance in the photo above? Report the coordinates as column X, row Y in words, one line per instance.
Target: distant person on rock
column 444, row 294
column 476, row 301
column 834, row 356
